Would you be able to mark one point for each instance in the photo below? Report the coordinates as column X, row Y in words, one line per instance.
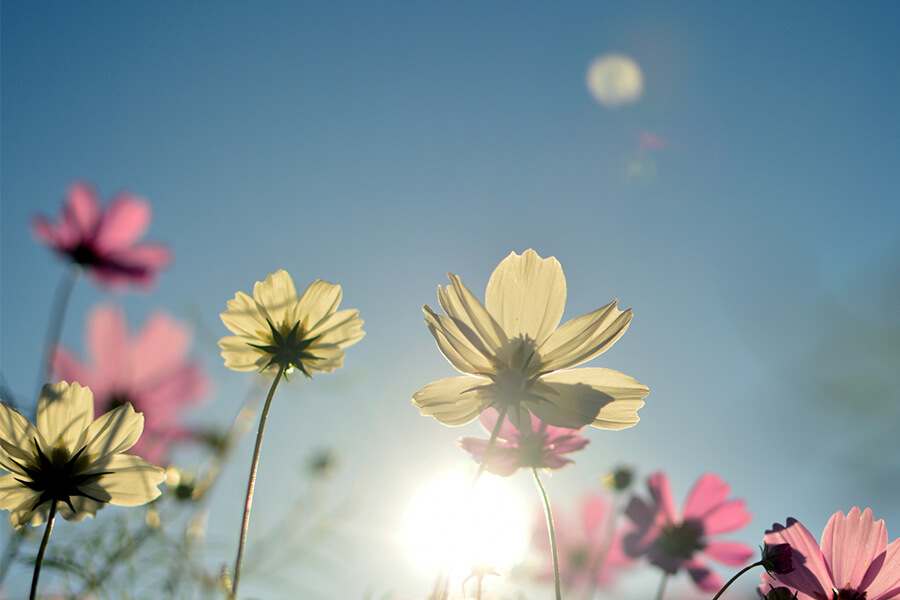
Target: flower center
column 532, row 450
column 84, row 255
column 848, row 594
column 680, row 541
column 289, row 350
column 58, row 476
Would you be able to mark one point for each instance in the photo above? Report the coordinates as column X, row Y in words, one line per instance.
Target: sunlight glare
column 615, row 80
column 447, row 524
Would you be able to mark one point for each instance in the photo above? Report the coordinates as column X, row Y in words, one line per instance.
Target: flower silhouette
column 672, row 541
column 105, row 241
column 517, row 360
column 539, row 445
column 71, row 459
column 150, row 369
column 275, row 329
column 853, row 562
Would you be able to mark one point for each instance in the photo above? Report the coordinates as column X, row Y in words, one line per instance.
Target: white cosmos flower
column 518, row 361
column 71, row 458
column 276, row 329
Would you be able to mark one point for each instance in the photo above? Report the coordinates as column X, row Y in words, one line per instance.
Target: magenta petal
column 810, row 575
column 108, row 342
column 850, row 544
column 728, row 516
column 68, row 368
column 81, row 213
column 662, row 494
column 552, row 461
column 707, row 494
column 45, row 231
column 729, row 553
column 705, row 579
column 884, row 582
column 595, row 512
column 150, row 256
column 161, row 346
column 125, row 221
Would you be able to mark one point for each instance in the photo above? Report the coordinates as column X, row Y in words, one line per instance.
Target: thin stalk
column 251, row 484
column 40, row 557
column 662, row 586
column 735, row 578
column 501, row 414
column 552, row 531
column 57, row 315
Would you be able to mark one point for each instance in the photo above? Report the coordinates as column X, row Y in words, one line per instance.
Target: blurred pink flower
column 541, row 446
column 672, row 541
column 105, row 242
column 854, row 561
column 589, row 552
column 151, row 370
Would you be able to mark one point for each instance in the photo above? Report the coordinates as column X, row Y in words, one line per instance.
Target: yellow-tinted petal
column 17, row 499
column 527, row 295
column 583, row 338
column 451, row 401
column 462, row 305
column 64, row 412
column 342, row 328
column 113, row 432
column 16, row 435
column 84, row 507
column 243, row 316
column 319, row 301
column 240, row 356
column 277, row 294
column 328, row 358
column 455, row 342
column 132, row 481
column 616, row 396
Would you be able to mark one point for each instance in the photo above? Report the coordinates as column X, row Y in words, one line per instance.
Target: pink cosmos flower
column 541, row 446
column 672, row 541
column 590, row 551
column 853, row 562
column 151, row 370
column 105, row 241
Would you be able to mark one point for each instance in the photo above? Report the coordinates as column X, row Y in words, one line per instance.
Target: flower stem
column 251, row 484
column 501, row 414
column 40, row 557
column 662, row 586
column 552, row 531
column 605, row 544
column 736, row 575
column 57, row 315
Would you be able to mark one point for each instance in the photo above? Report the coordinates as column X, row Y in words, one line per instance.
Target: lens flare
column 450, row 526
column 615, row 80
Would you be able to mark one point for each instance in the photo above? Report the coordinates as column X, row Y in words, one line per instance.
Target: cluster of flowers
column 518, row 379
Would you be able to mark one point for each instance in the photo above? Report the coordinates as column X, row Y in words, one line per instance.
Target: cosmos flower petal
column 126, row 220
column 328, row 358
column 319, row 300
column 613, row 396
column 707, row 494
column 113, row 432
column 18, row 500
column 64, row 413
column 451, row 401
column 130, row 482
column 810, row 572
column 160, row 348
column 342, row 328
column 108, row 343
column 569, row 444
column 661, row 492
column 727, row 516
column 455, row 344
column 883, row 580
column 488, row 420
column 503, row 460
column 82, row 211
column 564, row 405
column 277, row 294
column 705, row 579
column 584, row 337
column 850, row 544
column 84, row 507
column 735, row 554
column 243, row 316
column 15, row 430
column 240, row 356
column 527, row 295
column 461, row 305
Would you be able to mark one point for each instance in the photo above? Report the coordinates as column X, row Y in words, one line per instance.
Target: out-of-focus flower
column 275, row 329
column 517, row 360
column 151, row 370
column 71, row 458
column 853, row 562
column 590, row 549
column 536, row 445
column 672, row 541
column 105, row 242
column 619, row 479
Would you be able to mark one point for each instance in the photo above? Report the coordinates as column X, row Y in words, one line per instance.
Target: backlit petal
column 451, row 401
column 850, row 544
column 131, row 482
column 810, row 575
column 114, row 432
column 615, row 396
column 64, row 412
column 583, row 338
column 125, row 220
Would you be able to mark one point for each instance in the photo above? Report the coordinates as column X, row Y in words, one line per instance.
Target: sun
column 450, row 526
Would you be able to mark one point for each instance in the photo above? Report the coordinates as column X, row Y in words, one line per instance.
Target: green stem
column 251, row 484
column 40, row 557
column 57, row 315
column 662, row 586
column 552, row 531
column 736, row 575
column 501, row 414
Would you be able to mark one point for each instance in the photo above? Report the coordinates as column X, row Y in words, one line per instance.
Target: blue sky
column 379, row 146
